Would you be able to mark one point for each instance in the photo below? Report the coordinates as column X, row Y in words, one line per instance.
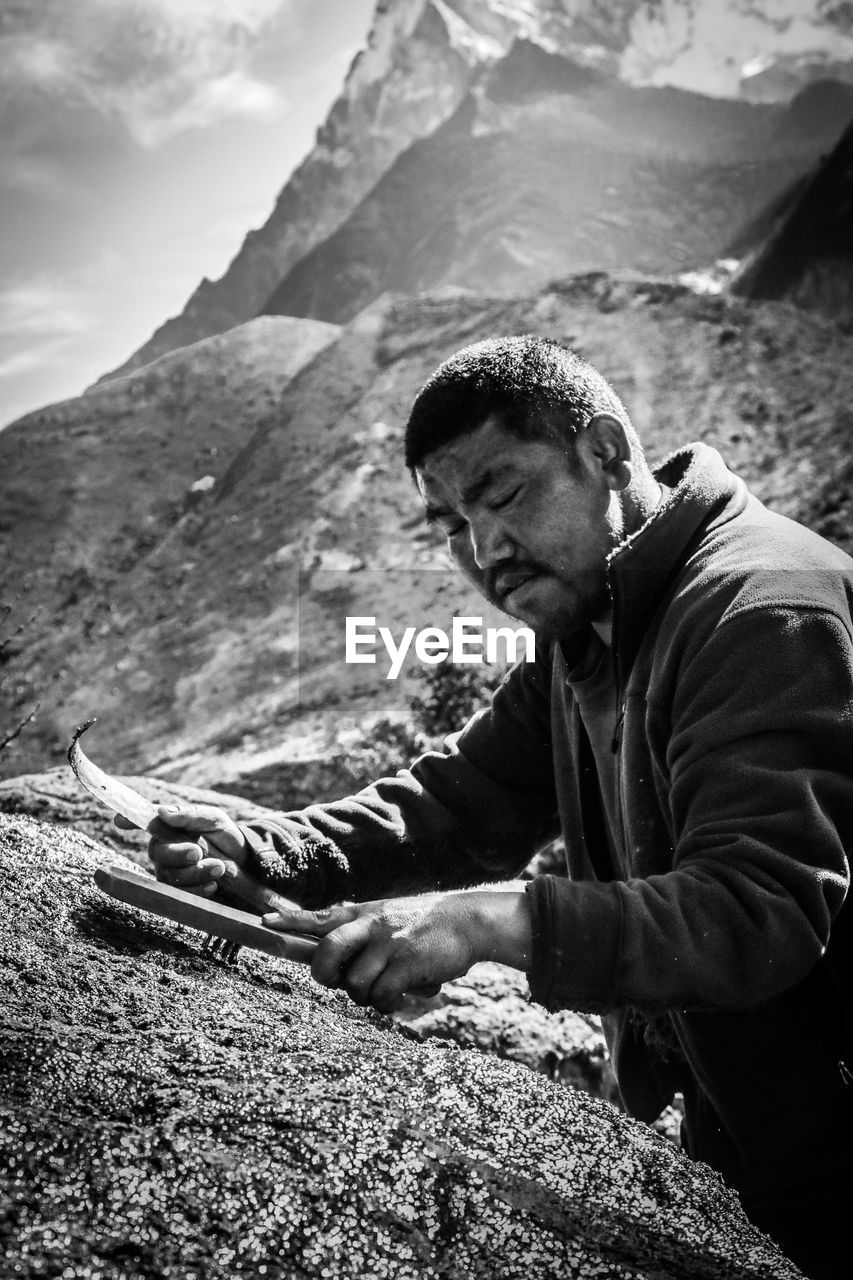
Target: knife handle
column 237, row 889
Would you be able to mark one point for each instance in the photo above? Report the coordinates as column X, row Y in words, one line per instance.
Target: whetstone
column 144, row 891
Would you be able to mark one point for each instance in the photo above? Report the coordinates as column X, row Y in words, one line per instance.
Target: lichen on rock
column 489, row 1009
column 166, row 1116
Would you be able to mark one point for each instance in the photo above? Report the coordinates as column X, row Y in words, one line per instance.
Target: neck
column 639, row 500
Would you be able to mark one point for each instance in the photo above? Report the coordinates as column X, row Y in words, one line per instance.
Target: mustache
column 505, row 578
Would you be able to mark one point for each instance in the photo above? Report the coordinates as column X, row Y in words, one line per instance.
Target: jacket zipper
column 616, row 744
column 616, row 740
column 621, row 851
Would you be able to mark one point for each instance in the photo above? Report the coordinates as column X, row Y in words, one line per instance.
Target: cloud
column 40, row 177
column 46, row 307
column 159, row 67
column 711, row 47
column 41, row 317
column 16, row 363
column 228, row 96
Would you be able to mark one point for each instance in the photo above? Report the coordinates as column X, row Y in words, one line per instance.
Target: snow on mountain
column 727, row 48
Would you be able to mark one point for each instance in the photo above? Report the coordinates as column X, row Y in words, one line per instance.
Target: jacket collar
column 704, row 494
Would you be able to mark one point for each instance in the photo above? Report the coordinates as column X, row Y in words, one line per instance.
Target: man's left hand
column 378, row 951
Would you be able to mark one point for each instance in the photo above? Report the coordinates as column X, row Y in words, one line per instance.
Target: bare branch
column 10, row 737
column 7, row 640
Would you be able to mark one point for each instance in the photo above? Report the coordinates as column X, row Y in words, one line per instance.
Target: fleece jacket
column 718, row 949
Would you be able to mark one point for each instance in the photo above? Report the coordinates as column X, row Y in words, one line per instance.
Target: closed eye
column 505, row 498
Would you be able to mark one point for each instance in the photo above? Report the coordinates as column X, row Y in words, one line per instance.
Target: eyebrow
column 473, row 491
column 433, row 514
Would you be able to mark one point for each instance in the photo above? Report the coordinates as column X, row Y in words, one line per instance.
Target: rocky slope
column 91, row 485
column 806, row 252
column 552, row 166
column 424, row 56
column 206, row 625
column 89, row 479
column 166, row 1115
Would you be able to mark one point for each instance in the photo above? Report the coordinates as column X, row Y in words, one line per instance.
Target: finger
column 431, row 989
column 193, row 817
column 242, row 890
column 387, row 993
column 205, row 890
column 209, row 870
column 218, row 828
column 174, row 853
column 336, row 950
column 295, row 920
column 123, row 823
column 160, row 830
column 276, row 902
column 185, row 866
column 362, row 971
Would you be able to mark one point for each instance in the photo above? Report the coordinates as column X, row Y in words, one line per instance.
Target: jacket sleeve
column 475, row 811
column 759, row 786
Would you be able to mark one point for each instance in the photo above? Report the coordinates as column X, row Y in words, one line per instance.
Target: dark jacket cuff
column 296, row 866
column 576, row 943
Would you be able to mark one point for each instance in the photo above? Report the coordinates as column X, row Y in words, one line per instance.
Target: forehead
column 489, row 453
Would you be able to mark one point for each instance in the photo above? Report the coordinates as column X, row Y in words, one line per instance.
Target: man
column 687, row 725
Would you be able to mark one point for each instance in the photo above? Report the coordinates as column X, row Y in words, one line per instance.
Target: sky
column 140, row 140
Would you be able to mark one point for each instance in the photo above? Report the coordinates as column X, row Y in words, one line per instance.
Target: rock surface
column 490, row 1010
column 165, row 1116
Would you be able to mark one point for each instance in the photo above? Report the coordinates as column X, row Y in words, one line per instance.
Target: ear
column 605, row 447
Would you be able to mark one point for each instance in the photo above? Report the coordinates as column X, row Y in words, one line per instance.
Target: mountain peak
column 807, row 256
column 423, row 57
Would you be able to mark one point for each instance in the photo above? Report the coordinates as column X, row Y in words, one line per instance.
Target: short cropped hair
column 533, row 386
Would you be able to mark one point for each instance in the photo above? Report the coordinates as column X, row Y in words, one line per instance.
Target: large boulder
column 489, row 1009
column 167, row 1116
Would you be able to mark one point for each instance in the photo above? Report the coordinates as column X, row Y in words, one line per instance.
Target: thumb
column 188, row 818
column 296, row 920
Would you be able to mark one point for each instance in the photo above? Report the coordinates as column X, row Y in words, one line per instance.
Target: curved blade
column 112, row 793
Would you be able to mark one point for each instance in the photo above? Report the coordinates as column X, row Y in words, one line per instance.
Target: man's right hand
column 197, row 847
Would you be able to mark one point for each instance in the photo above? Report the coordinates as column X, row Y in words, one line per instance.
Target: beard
column 554, row 608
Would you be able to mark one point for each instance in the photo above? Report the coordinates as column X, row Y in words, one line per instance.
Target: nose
column 490, row 543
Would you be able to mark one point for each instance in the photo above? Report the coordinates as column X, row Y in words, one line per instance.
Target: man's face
column 529, row 526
